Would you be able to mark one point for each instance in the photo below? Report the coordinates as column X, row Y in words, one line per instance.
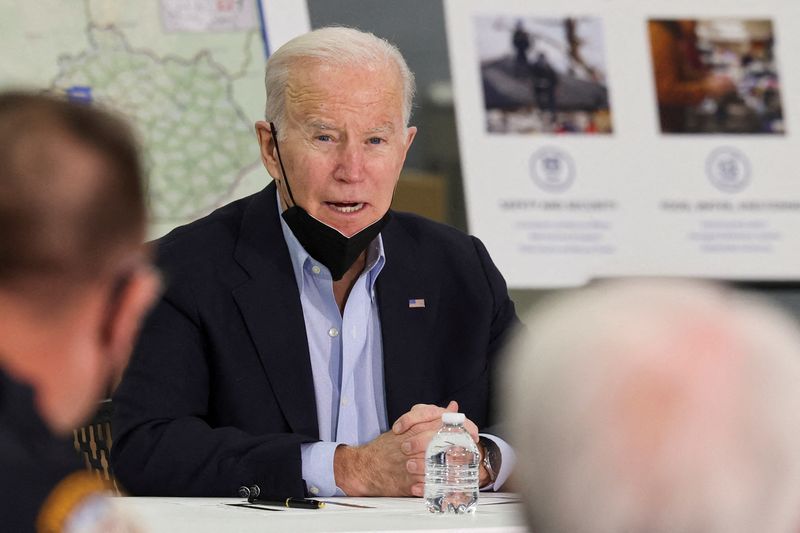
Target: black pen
column 292, row 503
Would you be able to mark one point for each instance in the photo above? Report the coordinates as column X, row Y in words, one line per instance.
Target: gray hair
column 333, row 46
column 659, row 406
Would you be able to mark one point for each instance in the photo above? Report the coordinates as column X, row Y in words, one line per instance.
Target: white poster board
column 630, row 137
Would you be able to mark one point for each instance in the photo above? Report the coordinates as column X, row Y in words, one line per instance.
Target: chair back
column 93, row 442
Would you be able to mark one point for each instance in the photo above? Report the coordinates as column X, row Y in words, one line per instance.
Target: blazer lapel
column 407, row 326
column 270, row 304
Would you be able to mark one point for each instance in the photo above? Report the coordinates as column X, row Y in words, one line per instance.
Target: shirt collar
column 302, row 261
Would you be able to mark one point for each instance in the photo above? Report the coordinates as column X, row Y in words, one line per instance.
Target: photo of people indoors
column 716, row 76
column 543, row 75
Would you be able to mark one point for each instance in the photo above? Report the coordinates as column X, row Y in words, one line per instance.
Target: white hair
column 337, row 46
column 657, row 406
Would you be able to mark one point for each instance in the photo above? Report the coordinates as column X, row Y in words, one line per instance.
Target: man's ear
column 411, row 132
column 267, row 147
column 135, row 299
column 269, row 157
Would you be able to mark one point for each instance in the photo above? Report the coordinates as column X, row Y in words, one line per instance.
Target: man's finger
column 423, row 427
column 417, row 444
column 419, row 413
column 472, row 429
column 416, row 466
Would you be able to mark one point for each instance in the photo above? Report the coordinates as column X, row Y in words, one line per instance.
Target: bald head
column 658, row 406
column 71, row 198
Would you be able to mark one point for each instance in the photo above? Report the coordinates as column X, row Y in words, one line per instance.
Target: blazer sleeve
column 164, row 443
column 504, row 326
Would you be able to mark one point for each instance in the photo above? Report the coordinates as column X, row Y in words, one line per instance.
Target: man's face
column 343, row 144
column 120, row 303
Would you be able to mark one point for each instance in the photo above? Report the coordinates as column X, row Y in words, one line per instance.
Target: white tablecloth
column 496, row 512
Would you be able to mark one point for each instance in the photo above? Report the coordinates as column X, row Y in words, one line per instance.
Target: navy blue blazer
column 219, row 391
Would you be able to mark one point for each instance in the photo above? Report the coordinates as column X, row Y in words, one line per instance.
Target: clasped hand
column 393, row 464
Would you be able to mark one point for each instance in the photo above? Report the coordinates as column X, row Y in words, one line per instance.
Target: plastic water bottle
column 451, row 468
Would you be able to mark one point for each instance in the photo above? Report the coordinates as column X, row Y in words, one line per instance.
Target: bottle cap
column 453, row 418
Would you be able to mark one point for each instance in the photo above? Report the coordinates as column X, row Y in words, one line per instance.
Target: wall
column 417, row 28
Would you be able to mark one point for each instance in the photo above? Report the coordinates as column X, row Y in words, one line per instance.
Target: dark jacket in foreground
column 219, row 392
column 41, row 476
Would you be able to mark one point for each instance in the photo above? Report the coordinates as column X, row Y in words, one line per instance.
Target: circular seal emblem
column 728, row 169
column 552, row 169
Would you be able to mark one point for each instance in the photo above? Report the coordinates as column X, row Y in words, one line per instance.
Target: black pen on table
column 253, row 495
column 292, row 503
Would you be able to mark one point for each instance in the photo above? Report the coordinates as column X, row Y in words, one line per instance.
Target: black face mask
column 327, row 245
column 322, row 242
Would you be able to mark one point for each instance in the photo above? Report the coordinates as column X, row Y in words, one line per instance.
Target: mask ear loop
column 274, row 132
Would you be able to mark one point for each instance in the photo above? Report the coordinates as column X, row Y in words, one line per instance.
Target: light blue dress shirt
column 346, row 353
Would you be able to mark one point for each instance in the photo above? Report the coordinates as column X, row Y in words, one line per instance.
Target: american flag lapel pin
column 416, row 303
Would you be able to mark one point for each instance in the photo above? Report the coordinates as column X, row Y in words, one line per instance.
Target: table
column 496, row 512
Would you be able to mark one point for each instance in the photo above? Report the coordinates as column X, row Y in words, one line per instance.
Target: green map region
column 189, row 79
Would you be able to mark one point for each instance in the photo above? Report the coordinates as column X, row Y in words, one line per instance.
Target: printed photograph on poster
column 543, row 75
column 716, row 76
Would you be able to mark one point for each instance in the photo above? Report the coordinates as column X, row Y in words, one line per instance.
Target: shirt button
column 315, row 269
column 314, row 490
column 333, row 332
column 345, row 402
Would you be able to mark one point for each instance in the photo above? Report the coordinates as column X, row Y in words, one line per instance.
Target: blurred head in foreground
column 657, row 406
column 74, row 278
column 75, row 281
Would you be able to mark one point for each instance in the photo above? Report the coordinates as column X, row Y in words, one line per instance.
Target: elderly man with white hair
column 311, row 337
column 657, row 406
